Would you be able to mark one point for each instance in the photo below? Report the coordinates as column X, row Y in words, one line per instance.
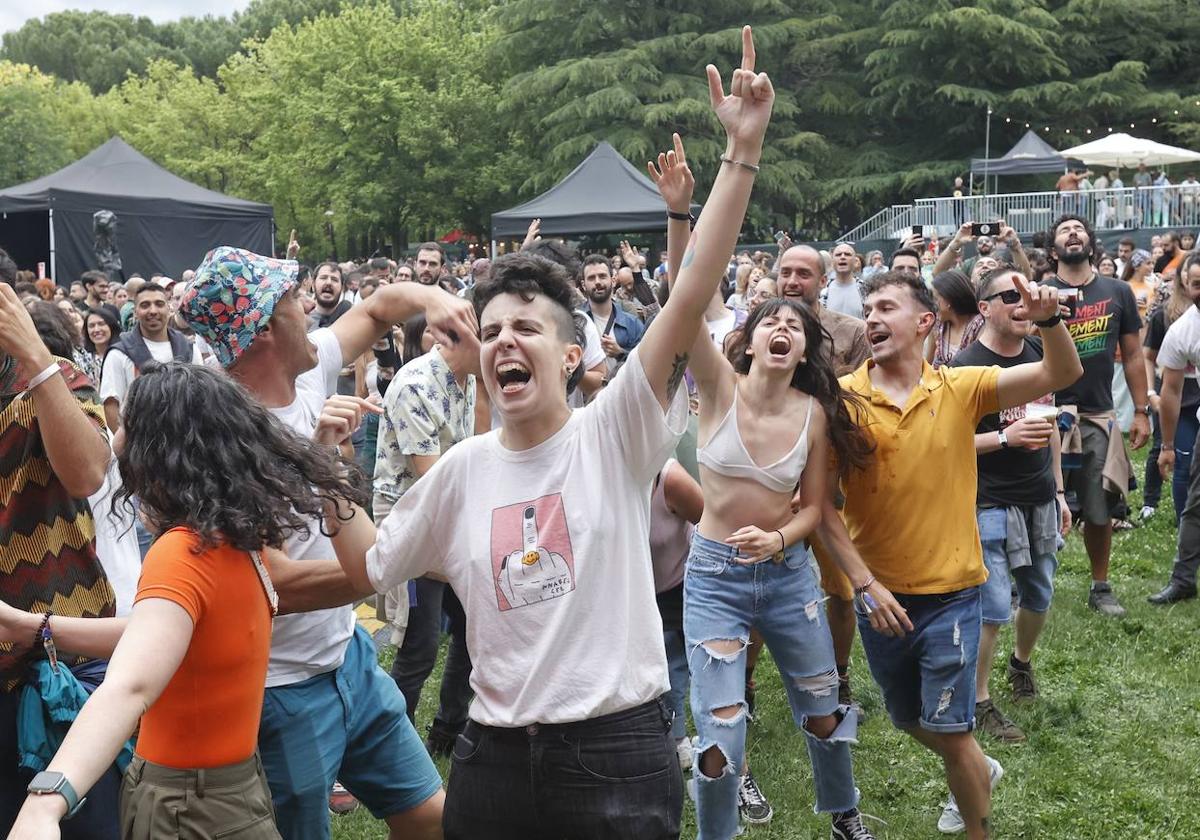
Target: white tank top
column 725, row 454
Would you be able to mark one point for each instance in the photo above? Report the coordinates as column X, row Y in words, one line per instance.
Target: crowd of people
column 612, row 484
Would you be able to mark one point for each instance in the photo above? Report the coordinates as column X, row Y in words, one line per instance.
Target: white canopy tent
column 1123, row 151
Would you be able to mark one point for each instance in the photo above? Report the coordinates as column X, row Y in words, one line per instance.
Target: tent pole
column 492, row 253
column 987, row 149
column 53, row 271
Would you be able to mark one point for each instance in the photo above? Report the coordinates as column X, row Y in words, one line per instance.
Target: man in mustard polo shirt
column 910, row 515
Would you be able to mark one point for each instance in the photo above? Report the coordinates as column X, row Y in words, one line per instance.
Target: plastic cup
column 1041, row 411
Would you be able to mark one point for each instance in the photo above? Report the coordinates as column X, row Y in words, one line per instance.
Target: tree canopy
column 410, row 117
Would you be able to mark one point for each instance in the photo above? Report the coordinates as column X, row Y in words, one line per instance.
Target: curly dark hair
column 201, row 453
column 54, row 328
column 527, row 276
column 815, row 377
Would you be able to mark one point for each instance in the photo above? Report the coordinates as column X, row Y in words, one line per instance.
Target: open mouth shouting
column 512, row 377
column 878, row 337
column 779, row 346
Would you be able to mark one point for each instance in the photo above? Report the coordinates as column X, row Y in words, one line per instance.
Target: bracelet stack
column 753, row 167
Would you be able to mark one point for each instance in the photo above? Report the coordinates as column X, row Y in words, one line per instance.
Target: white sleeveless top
column 725, row 454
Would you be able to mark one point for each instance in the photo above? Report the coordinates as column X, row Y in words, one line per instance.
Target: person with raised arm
column 542, row 527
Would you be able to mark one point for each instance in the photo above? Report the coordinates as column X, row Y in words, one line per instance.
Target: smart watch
column 50, row 781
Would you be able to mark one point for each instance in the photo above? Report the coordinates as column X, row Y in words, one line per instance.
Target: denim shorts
column 927, row 677
column 1035, row 582
column 349, row 725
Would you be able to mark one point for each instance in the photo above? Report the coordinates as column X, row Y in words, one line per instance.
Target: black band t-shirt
column 1106, row 310
column 1015, row 476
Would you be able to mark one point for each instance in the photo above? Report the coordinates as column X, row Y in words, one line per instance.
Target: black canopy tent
column 165, row 223
column 604, row 194
column 1031, row 155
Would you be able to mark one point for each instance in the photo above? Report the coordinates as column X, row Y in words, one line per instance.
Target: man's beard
column 1073, row 258
column 600, row 295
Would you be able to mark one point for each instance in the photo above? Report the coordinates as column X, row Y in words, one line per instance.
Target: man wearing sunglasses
column 1020, row 480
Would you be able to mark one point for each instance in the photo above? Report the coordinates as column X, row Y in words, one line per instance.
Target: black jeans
column 1187, row 562
column 418, row 654
column 615, row 777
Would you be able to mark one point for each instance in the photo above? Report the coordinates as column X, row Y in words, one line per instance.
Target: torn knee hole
column 819, row 685
column 714, row 763
column 729, row 713
column 724, row 650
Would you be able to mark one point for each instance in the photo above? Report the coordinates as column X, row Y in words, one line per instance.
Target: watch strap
column 50, row 782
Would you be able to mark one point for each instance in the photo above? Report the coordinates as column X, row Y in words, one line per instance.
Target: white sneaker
column 951, row 821
column 1148, row 512
column 683, row 747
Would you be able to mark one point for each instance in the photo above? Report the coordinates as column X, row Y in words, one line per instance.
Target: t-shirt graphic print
column 532, row 559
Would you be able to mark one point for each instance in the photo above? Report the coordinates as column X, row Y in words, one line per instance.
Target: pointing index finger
column 747, row 49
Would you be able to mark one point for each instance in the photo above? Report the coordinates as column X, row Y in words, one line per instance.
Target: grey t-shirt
column 844, row 298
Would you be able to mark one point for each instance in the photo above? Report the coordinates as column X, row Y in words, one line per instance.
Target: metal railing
column 1109, row 209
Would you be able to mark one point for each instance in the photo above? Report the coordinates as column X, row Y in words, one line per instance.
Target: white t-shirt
column 116, row 540
column 593, row 354
column 304, row 645
column 720, row 328
column 548, row 550
column 118, row 372
column 1181, row 345
column 844, row 298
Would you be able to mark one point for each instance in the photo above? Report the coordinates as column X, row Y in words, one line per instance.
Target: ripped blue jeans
column 782, row 599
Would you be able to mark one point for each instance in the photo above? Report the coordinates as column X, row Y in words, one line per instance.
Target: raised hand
column 293, row 246
column 673, row 177
column 533, row 234
column 1038, row 303
column 745, row 112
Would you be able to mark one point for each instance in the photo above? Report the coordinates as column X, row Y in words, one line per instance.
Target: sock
column 1018, row 664
column 843, row 672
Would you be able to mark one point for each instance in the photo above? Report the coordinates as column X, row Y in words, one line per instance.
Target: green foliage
column 407, row 117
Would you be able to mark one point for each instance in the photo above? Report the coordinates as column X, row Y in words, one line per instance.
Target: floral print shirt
column 425, row 413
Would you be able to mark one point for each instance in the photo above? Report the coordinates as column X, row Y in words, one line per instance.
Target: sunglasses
column 1009, row 296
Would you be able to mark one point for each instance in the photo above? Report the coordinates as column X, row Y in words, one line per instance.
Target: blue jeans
column 1035, row 582
column 349, row 725
column 609, row 778
column 782, row 599
column 927, row 677
column 1186, row 430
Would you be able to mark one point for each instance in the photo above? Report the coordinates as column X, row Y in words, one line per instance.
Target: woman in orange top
column 221, row 480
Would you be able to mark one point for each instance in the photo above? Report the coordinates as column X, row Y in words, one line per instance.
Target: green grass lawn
column 1114, row 740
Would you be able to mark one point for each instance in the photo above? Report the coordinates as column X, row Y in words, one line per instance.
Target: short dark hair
column 335, row 266
column 528, row 276
column 380, row 262
column 593, row 259
column 53, row 327
column 1173, row 235
column 27, row 289
column 956, row 289
column 903, row 252
column 8, row 268
column 990, row 277
column 433, row 246
column 368, row 280
column 1128, row 240
column 556, row 252
column 152, row 287
column 90, row 278
column 914, row 283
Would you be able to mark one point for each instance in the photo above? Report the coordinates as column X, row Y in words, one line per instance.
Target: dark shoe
column 994, row 722
column 752, row 805
column 1103, row 601
column 1173, row 593
column 1023, row 685
column 848, row 825
column 441, row 740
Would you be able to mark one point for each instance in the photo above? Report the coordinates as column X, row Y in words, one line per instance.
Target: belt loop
column 200, row 783
column 135, row 769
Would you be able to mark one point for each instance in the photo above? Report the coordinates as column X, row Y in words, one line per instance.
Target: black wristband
column 680, row 217
column 1053, row 322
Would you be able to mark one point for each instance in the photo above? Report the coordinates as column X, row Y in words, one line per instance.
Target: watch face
column 47, row 780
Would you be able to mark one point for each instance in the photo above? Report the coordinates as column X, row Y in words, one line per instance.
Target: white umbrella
column 1122, row 150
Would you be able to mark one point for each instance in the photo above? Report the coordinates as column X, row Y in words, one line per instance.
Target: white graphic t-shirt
column 304, row 645
column 548, row 550
column 1181, row 346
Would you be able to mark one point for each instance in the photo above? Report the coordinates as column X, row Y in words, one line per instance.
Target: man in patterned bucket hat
column 330, row 712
